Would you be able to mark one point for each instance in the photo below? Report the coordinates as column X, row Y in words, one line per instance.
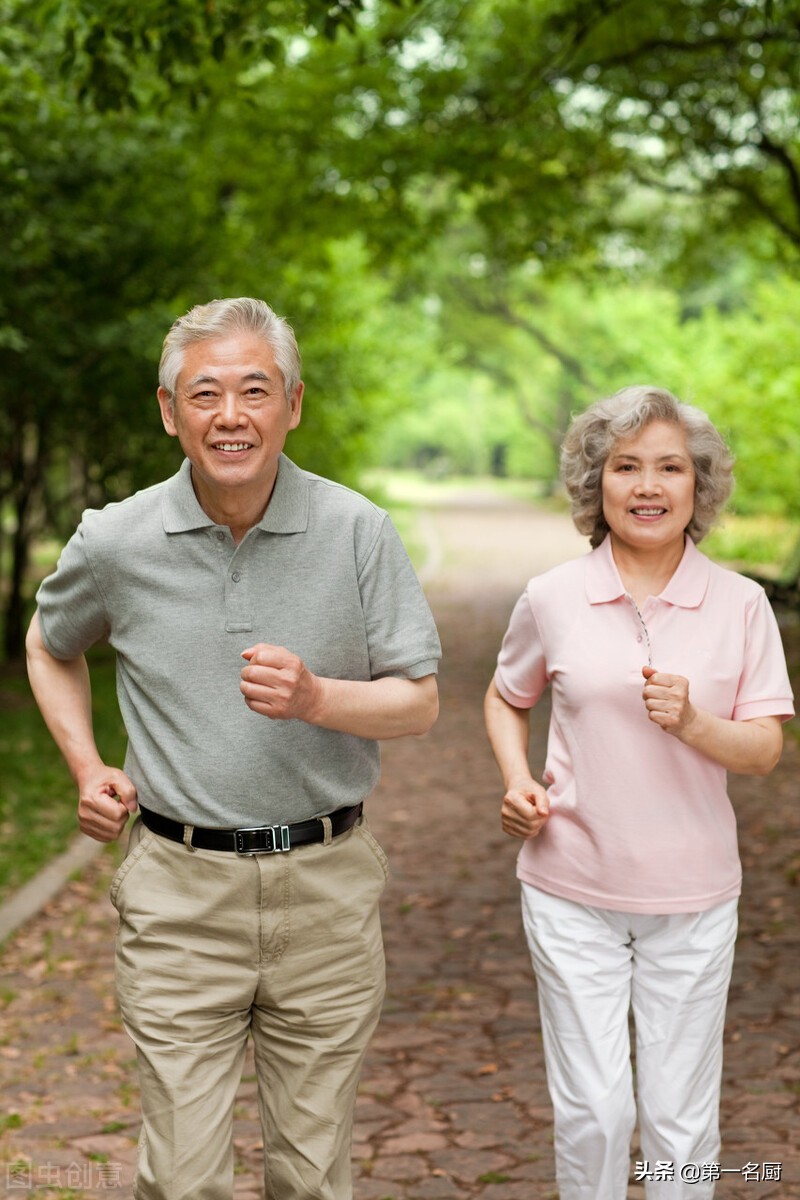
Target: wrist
column 85, row 768
column 318, row 699
column 691, row 731
column 520, row 779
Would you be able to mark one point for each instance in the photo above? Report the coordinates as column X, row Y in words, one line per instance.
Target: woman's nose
column 648, row 482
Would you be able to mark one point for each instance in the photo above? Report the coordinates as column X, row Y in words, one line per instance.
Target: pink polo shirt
column 639, row 822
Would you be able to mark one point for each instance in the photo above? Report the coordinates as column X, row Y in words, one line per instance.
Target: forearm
column 63, row 693
column 379, row 709
column 508, row 730
column 743, row 747
column 525, row 808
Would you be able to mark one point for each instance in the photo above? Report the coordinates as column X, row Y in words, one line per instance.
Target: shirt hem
column 782, row 708
column 654, row 906
column 511, row 697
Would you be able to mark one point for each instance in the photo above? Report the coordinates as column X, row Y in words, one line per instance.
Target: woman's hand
column 525, row 808
column 666, row 698
column 747, row 747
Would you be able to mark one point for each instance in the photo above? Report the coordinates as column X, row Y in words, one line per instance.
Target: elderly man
column 269, row 631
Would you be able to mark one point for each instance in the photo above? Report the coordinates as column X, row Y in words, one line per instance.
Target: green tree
column 587, row 132
column 122, row 50
column 158, row 154
column 90, row 268
column 115, row 222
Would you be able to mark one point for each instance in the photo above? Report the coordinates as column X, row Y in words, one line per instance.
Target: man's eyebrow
column 192, row 383
column 198, row 379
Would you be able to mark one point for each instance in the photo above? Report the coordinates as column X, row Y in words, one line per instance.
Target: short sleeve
column 521, row 674
column 72, row 614
column 401, row 633
column 764, row 689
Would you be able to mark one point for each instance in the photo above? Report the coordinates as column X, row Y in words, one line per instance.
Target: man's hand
column 666, row 698
column 106, row 798
column 525, row 808
column 278, row 684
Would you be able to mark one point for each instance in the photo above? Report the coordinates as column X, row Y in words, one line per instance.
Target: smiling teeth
column 649, row 512
column 233, row 446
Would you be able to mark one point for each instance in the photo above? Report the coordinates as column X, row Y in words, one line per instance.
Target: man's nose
column 229, row 410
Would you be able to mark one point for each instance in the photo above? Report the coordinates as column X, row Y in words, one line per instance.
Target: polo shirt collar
column 180, row 509
column 287, row 511
column 686, row 588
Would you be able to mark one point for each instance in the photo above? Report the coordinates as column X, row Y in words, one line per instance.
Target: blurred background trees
column 479, row 215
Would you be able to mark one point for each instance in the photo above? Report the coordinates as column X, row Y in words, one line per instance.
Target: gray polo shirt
column 324, row 574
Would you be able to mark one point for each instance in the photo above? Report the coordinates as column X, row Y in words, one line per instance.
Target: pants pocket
column 361, row 830
column 139, row 842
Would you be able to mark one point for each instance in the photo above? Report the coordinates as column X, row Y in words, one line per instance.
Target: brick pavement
column 453, row 1102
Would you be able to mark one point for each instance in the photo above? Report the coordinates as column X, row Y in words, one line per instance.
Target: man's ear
column 167, row 406
column 296, row 405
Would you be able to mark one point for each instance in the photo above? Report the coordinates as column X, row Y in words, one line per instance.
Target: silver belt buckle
column 263, row 839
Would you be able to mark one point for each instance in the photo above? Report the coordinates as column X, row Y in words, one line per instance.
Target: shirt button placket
column 237, row 603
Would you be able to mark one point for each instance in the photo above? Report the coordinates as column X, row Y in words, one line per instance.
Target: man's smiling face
column 231, row 416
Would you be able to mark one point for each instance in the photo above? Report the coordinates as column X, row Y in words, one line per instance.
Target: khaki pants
column 285, row 948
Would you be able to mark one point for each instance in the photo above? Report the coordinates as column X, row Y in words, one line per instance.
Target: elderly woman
column 665, row 672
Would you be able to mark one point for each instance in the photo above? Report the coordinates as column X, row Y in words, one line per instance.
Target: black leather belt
column 265, row 839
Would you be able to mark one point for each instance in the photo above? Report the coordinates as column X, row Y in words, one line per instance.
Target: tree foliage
column 117, row 221
column 119, row 52
column 496, row 176
column 619, row 126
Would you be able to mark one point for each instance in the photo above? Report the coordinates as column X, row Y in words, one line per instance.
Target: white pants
column 592, row 966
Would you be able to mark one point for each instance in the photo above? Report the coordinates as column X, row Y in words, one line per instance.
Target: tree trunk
column 26, row 479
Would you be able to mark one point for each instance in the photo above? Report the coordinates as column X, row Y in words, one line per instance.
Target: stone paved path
column 453, row 1102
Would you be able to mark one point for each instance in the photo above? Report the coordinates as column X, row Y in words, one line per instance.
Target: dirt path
column 453, row 1102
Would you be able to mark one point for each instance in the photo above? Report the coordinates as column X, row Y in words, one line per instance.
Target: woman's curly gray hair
column 592, row 435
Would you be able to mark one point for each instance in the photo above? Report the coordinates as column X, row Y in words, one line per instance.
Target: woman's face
column 648, row 488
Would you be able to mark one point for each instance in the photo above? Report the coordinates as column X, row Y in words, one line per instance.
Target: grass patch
column 38, row 802
column 418, row 489
column 764, row 545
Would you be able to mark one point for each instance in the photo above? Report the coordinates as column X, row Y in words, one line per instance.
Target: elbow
column 773, row 748
column 427, row 712
column 33, row 640
column 769, row 757
column 768, row 763
column 428, row 717
column 761, row 746
column 759, row 770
